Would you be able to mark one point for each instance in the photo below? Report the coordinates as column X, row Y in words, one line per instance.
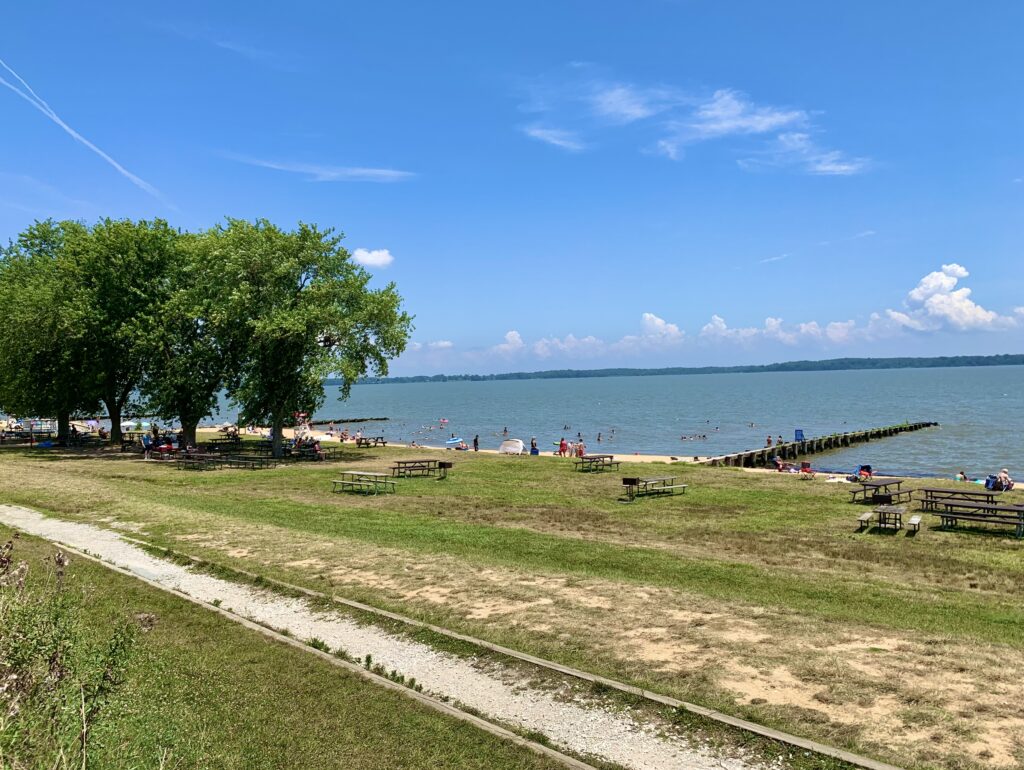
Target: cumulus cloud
column 937, row 302
column 441, row 345
column 373, row 257
column 513, row 344
column 569, row 346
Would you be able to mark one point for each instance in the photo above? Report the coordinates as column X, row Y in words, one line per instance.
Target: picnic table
column 198, row 462
column 880, row 491
column 410, row 468
column 935, row 496
column 371, row 441
column 367, row 482
column 649, row 487
column 588, row 463
column 248, row 463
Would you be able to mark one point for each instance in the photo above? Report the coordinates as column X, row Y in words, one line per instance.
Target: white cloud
column 840, row 331
column 513, row 344
column 865, row 234
column 569, row 346
column 315, row 172
column 798, row 150
column 670, row 148
column 936, row 302
column 658, row 327
column 36, row 101
column 590, row 102
column 557, row 137
column 718, row 329
column 778, row 258
column 373, row 257
column 441, row 345
column 622, row 103
column 414, row 346
column 728, row 112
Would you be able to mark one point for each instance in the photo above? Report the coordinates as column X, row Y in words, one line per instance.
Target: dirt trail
column 501, row 694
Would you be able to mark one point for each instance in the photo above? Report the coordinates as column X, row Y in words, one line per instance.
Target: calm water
column 980, row 410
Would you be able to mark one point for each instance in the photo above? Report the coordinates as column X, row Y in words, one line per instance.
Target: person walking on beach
column 476, row 443
column 581, row 449
column 562, row 447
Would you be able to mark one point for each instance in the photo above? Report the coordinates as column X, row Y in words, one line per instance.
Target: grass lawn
column 203, row 692
column 751, row 593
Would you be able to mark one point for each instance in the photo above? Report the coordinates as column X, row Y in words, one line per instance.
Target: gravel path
column 501, row 695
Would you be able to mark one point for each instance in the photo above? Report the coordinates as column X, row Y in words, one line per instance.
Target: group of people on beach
column 996, row 482
column 571, row 448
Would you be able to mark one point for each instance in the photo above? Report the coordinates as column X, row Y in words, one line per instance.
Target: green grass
column 203, row 692
column 749, row 547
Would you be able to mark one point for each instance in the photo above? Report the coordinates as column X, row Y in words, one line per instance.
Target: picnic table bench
column 983, row 513
column 366, row 482
column 371, row 441
column 934, row 496
column 248, row 463
column 880, row 492
column 588, row 463
column 197, row 462
column 649, row 487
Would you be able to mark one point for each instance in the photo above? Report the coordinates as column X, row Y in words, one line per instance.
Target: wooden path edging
column 355, row 668
column 665, row 700
column 791, row 450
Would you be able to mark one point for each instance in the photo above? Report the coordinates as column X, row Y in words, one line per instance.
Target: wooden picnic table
column 890, row 516
column 884, row 491
column 658, row 485
column 367, row 482
column 371, row 441
column 982, row 513
column 933, row 496
column 588, row 463
column 409, row 468
column 247, row 462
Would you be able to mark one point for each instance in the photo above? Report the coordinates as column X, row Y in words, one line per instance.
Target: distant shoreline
column 827, row 365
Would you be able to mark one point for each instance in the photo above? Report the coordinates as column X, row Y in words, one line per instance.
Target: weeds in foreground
column 53, row 684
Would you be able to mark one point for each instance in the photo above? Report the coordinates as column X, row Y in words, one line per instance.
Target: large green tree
column 46, row 366
column 302, row 311
column 193, row 350
column 124, row 273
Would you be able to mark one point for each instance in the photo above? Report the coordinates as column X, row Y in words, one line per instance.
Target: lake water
column 979, row 410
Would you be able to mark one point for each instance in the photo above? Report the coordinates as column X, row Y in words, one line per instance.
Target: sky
column 564, row 184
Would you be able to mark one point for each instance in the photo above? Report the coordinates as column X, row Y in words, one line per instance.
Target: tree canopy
column 140, row 314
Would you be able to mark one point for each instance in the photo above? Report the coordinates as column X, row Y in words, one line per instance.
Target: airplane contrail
column 37, row 101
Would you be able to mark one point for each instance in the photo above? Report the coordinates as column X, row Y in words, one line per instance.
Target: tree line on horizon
column 827, row 365
column 140, row 315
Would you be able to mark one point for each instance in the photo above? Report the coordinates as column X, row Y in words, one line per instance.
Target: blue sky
column 579, row 184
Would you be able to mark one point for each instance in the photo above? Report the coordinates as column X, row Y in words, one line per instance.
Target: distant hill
column 832, row 364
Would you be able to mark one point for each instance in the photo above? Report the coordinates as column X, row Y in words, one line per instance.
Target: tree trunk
column 63, row 428
column 278, row 426
column 188, row 432
column 114, row 413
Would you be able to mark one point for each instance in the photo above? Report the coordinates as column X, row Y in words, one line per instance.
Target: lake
column 979, row 410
